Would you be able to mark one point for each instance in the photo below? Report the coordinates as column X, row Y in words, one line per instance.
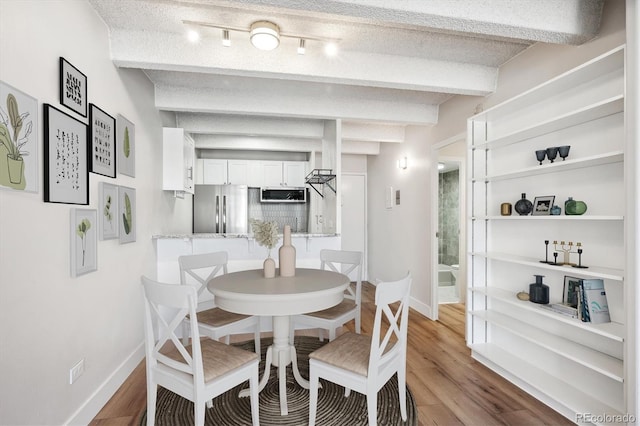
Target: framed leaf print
column 84, row 237
column 108, row 211
column 126, row 143
column 73, row 88
column 66, row 177
column 102, row 141
column 19, row 147
column 127, row 214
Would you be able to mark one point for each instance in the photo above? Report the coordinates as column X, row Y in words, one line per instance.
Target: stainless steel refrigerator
column 220, row 209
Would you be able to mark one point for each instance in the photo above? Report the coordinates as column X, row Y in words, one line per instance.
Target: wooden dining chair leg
column 313, row 397
column 256, row 338
column 199, row 412
column 372, row 408
column 152, row 394
column 254, row 386
column 402, row 393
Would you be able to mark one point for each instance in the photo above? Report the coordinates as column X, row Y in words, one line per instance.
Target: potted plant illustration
column 107, row 212
column 12, row 140
column 126, row 146
column 126, row 216
column 81, row 230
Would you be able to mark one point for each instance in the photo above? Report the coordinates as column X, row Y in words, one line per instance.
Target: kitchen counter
column 244, row 252
column 248, row 236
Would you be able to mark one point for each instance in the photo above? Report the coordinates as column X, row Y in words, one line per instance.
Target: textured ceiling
column 397, row 60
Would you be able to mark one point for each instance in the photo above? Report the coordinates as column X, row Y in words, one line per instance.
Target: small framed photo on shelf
column 66, row 176
column 109, row 213
column 542, row 205
column 570, row 291
column 73, row 88
column 127, row 214
column 84, row 246
column 102, row 142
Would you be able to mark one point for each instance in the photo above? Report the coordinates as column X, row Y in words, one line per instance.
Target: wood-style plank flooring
column 450, row 388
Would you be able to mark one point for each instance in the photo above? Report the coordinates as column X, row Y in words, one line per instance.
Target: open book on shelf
column 592, row 301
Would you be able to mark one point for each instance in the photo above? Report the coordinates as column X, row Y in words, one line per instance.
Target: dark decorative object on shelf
column 524, row 206
column 574, row 207
column 552, row 153
column 579, row 265
column 539, row 292
column 540, row 154
column 563, row 151
column 546, row 252
column 505, row 209
column 556, row 210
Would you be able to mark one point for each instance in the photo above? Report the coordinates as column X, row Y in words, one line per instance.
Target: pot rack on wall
column 321, row 177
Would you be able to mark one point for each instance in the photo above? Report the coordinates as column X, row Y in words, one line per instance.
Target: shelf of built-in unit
column 597, row 361
column 558, row 166
column 591, row 271
column 553, row 217
column 569, row 394
column 609, row 330
column 582, row 115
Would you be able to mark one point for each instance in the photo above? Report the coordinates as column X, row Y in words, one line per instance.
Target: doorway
column 354, row 216
column 448, row 224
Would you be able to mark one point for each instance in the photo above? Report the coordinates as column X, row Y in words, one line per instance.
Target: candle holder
column 546, row 252
column 579, row 265
column 565, row 249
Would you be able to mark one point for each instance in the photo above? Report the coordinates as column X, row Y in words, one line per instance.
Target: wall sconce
column 402, row 163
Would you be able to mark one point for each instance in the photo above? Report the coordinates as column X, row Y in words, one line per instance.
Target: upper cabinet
column 253, row 173
column 178, row 157
column 283, row 173
column 577, row 365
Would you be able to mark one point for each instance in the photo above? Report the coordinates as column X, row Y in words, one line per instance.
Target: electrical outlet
column 76, row 371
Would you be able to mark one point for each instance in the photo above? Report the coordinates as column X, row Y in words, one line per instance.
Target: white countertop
column 247, row 236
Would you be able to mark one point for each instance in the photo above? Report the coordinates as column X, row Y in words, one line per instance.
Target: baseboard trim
column 92, row 406
column 421, row 307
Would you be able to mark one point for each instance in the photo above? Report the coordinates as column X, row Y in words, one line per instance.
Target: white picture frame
column 109, row 214
column 127, row 214
column 19, row 158
column 84, row 245
column 126, row 146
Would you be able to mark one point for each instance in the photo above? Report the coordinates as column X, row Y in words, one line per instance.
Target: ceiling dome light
column 265, row 35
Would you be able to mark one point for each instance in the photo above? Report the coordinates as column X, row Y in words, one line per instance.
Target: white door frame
column 434, row 221
column 365, row 274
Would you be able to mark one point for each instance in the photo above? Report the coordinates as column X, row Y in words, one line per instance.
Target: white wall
column 49, row 321
column 399, row 239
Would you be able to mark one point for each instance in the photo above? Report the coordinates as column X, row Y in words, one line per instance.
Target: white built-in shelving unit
column 573, row 366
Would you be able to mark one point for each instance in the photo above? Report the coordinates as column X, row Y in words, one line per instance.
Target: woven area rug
column 333, row 408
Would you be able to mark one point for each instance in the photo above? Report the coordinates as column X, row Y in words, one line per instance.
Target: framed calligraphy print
column 73, row 88
column 102, row 142
column 66, row 176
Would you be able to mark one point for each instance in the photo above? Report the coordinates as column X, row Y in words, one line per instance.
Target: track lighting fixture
column 226, row 41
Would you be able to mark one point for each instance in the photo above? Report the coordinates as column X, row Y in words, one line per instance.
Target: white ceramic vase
column 269, row 267
column 287, row 255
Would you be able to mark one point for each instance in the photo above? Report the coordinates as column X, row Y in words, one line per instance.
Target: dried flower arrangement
column 265, row 233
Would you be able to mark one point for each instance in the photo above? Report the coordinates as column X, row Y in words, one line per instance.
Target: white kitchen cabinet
column 236, row 172
column 283, row 173
column 214, row 171
column 178, row 157
column 574, row 366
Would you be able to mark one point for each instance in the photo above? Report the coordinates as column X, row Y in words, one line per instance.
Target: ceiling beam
column 550, row 21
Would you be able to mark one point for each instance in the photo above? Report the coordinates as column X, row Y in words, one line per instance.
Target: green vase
column 573, row 207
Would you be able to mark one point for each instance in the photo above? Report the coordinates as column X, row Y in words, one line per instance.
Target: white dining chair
column 197, row 270
column 366, row 363
column 335, row 317
column 197, row 372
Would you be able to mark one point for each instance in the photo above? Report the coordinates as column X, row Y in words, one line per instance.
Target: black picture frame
column 542, row 205
column 66, row 175
column 102, row 142
column 73, row 88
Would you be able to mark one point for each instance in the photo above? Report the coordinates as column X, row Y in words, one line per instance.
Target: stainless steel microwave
column 279, row 194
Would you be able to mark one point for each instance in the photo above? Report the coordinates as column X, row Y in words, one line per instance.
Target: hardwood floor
column 450, row 388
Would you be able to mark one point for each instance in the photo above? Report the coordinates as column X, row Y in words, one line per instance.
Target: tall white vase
column 287, row 255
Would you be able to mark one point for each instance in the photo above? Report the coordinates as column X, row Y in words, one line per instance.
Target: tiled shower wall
column 449, row 218
column 293, row 214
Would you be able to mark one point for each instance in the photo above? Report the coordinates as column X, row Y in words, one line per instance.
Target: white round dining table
column 250, row 293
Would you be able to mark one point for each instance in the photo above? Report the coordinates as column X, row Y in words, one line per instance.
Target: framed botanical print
column 66, row 177
column 126, row 143
column 84, row 237
column 73, row 88
column 108, row 211
column 127, row 214
column 19, row 146
column 102, row 142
